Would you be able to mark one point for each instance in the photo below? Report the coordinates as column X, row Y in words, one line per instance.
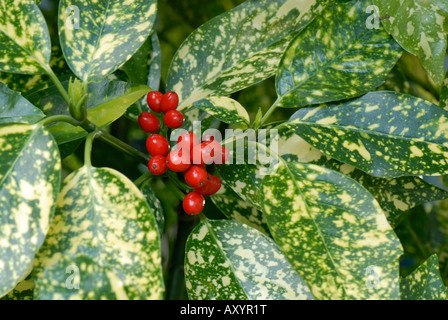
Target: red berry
column 224, row 156
column 187, row 140
column 154, row 99
column 196, row 176
column 148, row 122
column 170, row 101
column 178, row 160
column 201, row 154
column 210, row 187
column 213, row 150
column 193, row 203
column 174, row 119
column 157, row 145
column 208, row 137
column 157, row 165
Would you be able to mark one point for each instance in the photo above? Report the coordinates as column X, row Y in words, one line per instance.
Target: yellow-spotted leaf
column 29, row 184
column 22, row 291
column 424, row 283
column 395, row 195
column 235, row 208
column 232, row 261
column 444, row 94
column 224, row 109
column 420, row 27
column 335, row 58
column 24, row 39
column 237, row 48
column 15, row 108
column 332, row 231
column 103, row 242
column 97, row 37
column 386, row 134
column 155, row 205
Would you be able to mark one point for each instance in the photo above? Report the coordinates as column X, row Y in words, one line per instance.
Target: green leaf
column 332, row 231
column 24, row 40
column 444, row 94
column 231, row 261
column 108, row 34
column 155, row 63
column 237, row 48
column 15, row 108
column 155, row 206
column 386, row 134
column 425, row 283
column 108, row 100
column 335, row 58
column 22, row 291
column 224, row 109
column 234, row 208
column 104, row 230
column 30, row 171
column 420, row 27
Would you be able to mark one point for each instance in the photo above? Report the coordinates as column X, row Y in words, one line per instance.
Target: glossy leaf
column 444, row 94
column 332, row 231
column 385, row 134
column 104, row 232
column 24, row 40
column 234, row 208
column 237, row 48
column 107, row 35
column 425, row 283
column 229, row 260
column 22, row 291
column 30, row 171
column 15, row 108
column 420, row 27
column 224, row 109
column 335, row 58
column 155, row 206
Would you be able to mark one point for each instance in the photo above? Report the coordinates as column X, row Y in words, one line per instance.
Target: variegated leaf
column 224, row 109
column 335, row 58
column 425, row 283
column 439, row 234
column 155, row 205
column 24, row 40
column 237, row 48
column 420, row 27
column 106, row 35
column 15, row 108
column 103, row 231
column 29, row 183
column 233, row 207
column 444, row 94
column 395, row 195
column 229, row 260
column 386, row 134
column 22, row 291
column 332, row 231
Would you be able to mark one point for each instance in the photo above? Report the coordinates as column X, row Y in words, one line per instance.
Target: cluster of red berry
column 190, row 156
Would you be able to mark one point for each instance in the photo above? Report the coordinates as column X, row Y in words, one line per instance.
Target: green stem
column 88, row 148
column 268, row 113
column 60, row 117
column 124, row 147
column 142, row 179
column 57, row 83
column 175, row 180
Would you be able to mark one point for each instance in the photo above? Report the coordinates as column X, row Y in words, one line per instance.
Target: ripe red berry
column 210, row 187
column 193, row 203
column 174, row 119
column 157, row 145
column 157, row 165
column 148, row 122
column 187, row 141
column 208, row 137
column 170, row 101
column 196, row 176
column 154, row 99
column 178, row 160
column 223, row 157
column 201, row 154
